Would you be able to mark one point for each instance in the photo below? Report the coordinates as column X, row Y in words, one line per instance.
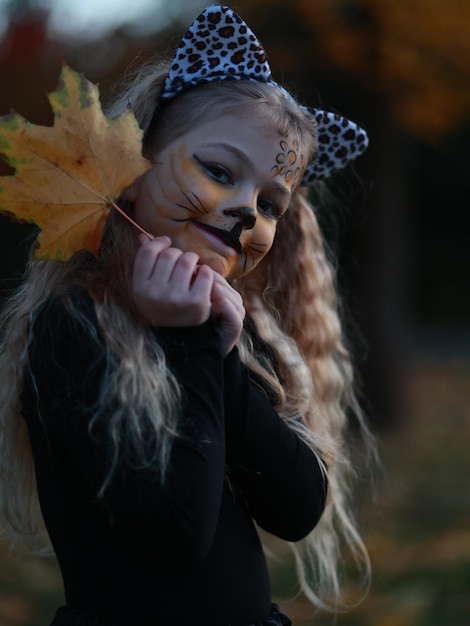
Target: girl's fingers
column 171, row 289
column 202, row 282
column 227, row 303
column 183, row 270
column 147, row 255
column 221, row 289
column 165, row 265
column 167, row 287
column 228, row 314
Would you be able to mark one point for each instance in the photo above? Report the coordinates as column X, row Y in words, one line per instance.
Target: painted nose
column 244, row 214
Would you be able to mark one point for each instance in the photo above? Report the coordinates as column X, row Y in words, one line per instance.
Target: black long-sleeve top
column 180, row 551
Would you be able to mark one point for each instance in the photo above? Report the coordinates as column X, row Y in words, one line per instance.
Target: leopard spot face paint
column 289, row 162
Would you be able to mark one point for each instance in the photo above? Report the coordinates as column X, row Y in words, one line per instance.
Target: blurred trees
column 416, row 52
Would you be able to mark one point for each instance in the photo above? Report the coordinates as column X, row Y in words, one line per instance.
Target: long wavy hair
column 290, row 297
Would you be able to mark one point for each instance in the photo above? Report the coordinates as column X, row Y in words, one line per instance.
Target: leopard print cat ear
column 340, row 141
column 220, row 46
column 217, row 46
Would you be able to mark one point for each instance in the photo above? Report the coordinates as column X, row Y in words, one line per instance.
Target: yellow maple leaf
column 68, row 175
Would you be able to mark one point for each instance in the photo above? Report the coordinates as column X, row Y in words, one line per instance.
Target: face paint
column 212, row 191
column 289, row 162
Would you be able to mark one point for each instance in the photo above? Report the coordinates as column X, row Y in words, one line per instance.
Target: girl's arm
column 279, row 474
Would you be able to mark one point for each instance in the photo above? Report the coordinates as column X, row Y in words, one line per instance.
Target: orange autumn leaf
column 68, row 175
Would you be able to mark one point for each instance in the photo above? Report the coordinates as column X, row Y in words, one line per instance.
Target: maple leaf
column 68, row 175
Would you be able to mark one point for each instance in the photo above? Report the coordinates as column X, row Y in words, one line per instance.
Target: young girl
column 158, row 400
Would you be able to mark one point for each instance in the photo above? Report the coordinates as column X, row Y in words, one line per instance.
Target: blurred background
column 399, row 231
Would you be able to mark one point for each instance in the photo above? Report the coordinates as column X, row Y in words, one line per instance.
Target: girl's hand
column 166, row 288
column 227, row 311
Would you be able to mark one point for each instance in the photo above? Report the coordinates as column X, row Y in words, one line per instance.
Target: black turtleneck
column 180, row 551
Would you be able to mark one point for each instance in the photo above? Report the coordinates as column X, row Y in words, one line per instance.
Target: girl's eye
column 216, row 171
column 270, row 208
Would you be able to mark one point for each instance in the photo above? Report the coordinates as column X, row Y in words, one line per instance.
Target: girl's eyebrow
column 234, row 150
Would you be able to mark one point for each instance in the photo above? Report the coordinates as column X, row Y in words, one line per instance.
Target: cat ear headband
column 220, row 46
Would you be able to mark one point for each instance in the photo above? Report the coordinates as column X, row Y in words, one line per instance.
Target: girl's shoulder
column 69, row 306
column 67, row 318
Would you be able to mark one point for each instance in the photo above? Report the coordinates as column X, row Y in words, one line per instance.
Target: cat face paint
column 214, row 191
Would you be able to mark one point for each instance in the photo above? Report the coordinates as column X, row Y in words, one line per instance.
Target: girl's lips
column 230, row 238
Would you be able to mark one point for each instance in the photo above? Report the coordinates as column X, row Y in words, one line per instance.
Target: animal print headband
column 220, row 46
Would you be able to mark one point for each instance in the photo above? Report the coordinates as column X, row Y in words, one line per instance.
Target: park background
column 399, row 230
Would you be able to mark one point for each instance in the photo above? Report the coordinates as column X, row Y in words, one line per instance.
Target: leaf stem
column 131, row 221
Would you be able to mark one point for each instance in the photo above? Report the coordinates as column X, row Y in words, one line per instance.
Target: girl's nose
column 244, row 214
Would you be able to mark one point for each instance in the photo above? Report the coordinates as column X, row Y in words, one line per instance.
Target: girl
column 159, row 399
